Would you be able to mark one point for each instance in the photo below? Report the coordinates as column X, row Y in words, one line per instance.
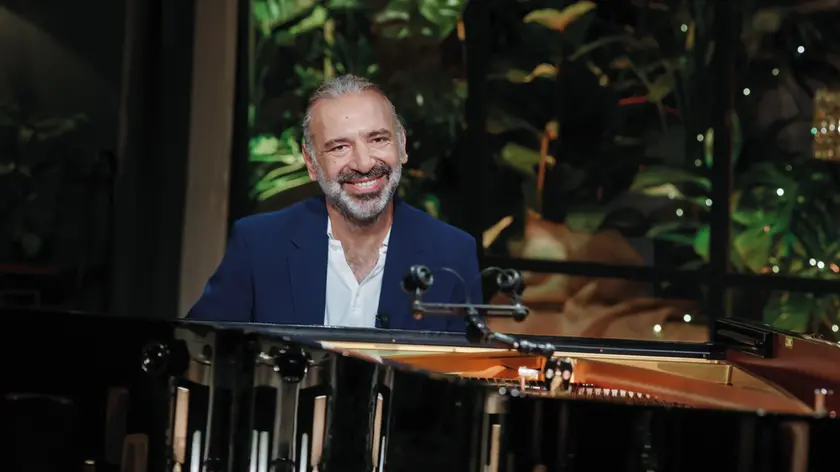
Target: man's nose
column 363, row 162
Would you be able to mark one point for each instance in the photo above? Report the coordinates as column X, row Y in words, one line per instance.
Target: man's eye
column 338, row 148
column 380, row 140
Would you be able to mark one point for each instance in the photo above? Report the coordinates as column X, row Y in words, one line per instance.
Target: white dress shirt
column 349, row 302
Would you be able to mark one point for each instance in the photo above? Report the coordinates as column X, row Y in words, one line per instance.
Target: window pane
column 414, row 54
column 786, row 195
column 589, row 124
column 563, row 305
column 800, row 312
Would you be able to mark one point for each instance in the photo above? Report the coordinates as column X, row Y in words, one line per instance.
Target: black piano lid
column 40, row 319
column 436, row 338
column 748, row 335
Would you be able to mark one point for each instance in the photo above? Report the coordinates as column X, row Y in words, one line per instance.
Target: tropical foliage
column 410, row 47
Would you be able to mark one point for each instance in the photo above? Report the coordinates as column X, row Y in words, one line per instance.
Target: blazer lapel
column 308, row 265
column 403, row 247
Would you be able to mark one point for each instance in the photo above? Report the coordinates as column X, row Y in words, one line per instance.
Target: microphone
column 418, row 280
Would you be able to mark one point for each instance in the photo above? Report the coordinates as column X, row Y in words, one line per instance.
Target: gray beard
column 361, row 211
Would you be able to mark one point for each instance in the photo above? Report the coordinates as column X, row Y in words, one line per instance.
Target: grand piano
column 93, row 393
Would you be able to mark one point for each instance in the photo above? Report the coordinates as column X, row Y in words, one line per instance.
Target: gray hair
column 338, row 87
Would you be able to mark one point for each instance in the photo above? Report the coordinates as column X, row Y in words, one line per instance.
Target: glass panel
column 786, row 197
column 563, row 305
column 413, row 53
column 590, row 109
column 60, row 68
column 800, row 312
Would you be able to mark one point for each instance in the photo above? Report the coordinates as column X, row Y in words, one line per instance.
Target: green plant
column 26, row 161
column 300, row 43
column 785, row 205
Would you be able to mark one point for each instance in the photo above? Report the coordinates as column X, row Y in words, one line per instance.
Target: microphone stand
column 556, row 371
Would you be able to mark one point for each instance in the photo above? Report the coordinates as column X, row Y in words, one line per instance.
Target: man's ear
column 310, row 164
column 404, row 154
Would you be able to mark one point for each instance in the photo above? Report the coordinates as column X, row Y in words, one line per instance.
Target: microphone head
column 418, row 279
column 510, row 281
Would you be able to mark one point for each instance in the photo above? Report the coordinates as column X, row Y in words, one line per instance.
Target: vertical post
column 205, row 220
column 474, row 164
column 726, row 47
column 171, row 194
column 152, row 163
column 240, row 201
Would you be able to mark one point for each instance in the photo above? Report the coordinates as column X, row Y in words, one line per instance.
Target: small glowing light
column 820, row 265
column 775, row 269
column 800, row 49
column 708, row 202
column 687, row 318
column 684, row 27
column 698, row 162
column 780, row 191
column 775, row 71
column 657, row 328
column 812, row 261
column 835, row 328
column 700, row 137
column 746, row 91
column 679, row 212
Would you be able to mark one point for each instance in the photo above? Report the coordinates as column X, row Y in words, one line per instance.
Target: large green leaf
column 655, row 177
column 401, row 19
column 559, row 20
column 442, row 13
column 680, row 231
column 269, row 14
column 499, row 122
column 586, row 220
column 701, row 243
column 789, row 311
column 753, row 246
column 520, row 158
column 268, row 188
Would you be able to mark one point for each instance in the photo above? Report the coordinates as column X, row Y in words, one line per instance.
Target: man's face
column 357, row 157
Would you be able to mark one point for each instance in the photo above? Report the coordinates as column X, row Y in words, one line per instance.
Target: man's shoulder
column 284, row 219
column 432, row 227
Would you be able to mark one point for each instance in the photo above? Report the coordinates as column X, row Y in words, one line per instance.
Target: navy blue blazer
column 275, row 269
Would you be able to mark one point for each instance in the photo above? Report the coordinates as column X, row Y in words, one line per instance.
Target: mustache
column 377, row 171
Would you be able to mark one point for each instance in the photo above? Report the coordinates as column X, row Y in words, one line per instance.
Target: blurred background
column 650, row 165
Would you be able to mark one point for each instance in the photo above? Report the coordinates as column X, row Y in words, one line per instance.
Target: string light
column 687, row 318
column 800, row 49
column 746, row 92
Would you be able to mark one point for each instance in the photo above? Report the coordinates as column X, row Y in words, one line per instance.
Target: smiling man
column 339, row 259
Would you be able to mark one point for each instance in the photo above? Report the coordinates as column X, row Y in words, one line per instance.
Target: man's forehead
column 368, row 107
